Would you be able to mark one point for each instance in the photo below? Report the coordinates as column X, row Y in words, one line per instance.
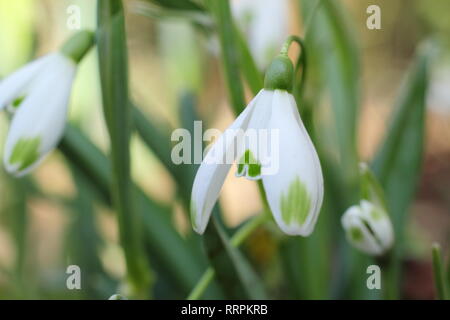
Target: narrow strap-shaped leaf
column 333, row 60
column 397, row 163
column 180, row 261
column 233, row 273
column 157, row 139
column 113, row 65
column 221, row 13
column 178, row 4
column 333, row 71
column 83, row 242
column 249, row 69
column 439, row 274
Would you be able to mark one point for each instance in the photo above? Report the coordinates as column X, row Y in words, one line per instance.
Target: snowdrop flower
column 368, row 228
column 295, row 191
column 265, row 24
column 37, row 95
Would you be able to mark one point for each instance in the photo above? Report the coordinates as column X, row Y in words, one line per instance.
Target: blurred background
column 49, row 221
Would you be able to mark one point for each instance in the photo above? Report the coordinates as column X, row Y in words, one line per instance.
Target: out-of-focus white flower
column 117, row 297
column 265, row 25
column 37, row 95
column 294, row 186
column 438, row 97
column 368, row 228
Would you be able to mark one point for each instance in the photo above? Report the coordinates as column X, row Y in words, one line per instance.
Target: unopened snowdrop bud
column 38, row 94
column 368, row 228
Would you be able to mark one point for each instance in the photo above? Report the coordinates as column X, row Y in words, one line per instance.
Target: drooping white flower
column 37, row 95
column 294, row 186
column 265, row 24
column 368, row 228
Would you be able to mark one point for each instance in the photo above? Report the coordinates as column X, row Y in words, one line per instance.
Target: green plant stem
column 237, row 239
column 438, row 270
column 301, row 63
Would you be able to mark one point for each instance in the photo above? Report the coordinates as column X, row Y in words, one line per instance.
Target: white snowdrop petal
column 39, row 122
column 295, row 190
column 214, row 168
column 16, row 84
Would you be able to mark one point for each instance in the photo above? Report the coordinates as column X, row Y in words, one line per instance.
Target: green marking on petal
column 295, row 205
column 25, row 153
column 249, row 162
column 356, row 234
column 193, row 214
column 376, row 214
column 17, row 102
column 240, row 169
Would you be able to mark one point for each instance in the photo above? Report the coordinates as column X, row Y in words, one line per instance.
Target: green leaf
column 397, row 163
column 220, row 10
column 113, row 65
column 181, row 262
column 249, row 69
column 232, row 271
column 178, row 4
column 439, row 274
column 83, row 242
column 333, row 73
column 333, row 59
column 156, row 137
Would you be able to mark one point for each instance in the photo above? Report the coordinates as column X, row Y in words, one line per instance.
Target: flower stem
column 439, row 278
column 301, row 62
column 292, row 38
column 237, row 239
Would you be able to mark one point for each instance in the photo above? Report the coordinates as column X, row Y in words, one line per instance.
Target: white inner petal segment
column 43, row 113
column 17, row 84
column 214, row 169
column 379, row 222
column 256, row 142
column 358, row 233
column 299, row 170
column 357, row 226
